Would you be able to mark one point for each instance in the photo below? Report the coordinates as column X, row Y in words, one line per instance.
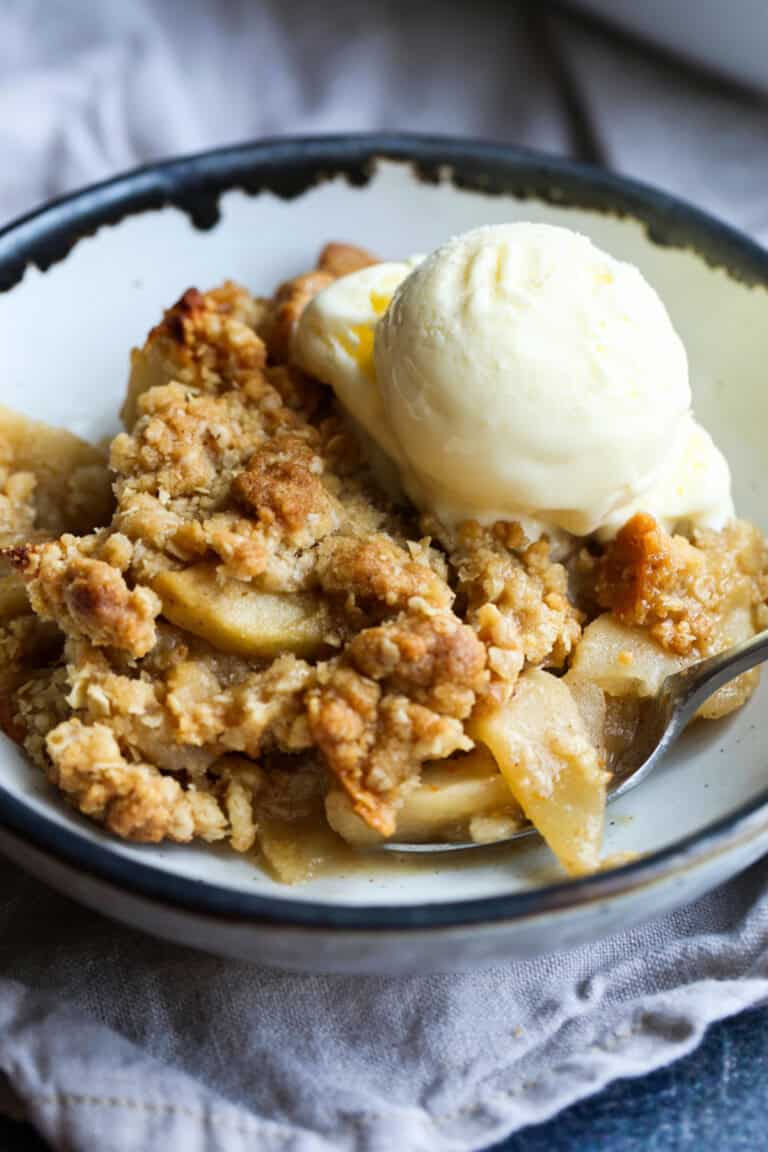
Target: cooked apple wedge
column 13, row 596
column 627, row 662
column 736, row 625
column 542, row 748
column 235, row 617
column 450, row 795
column 623, row 661
column 72, row 489
column 591, row 703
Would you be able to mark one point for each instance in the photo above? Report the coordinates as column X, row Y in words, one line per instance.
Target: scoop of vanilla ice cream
column 693, row 487
column 525, row 372
column 519, row 372
column 335, row 340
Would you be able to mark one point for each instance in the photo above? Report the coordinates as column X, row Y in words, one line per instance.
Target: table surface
column 722, row 1087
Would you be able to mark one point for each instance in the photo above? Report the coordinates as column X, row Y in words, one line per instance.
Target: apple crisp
column 228, row 631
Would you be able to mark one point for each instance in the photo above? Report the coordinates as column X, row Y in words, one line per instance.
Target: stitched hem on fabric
column 610, row 1043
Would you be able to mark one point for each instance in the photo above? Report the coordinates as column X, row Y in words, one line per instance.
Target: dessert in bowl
column 388, row 550
column 397, row 552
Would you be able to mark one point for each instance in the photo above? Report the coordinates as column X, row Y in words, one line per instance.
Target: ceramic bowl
column 85, row 278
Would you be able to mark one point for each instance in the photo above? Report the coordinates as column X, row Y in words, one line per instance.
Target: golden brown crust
column 375, row 575
column 89, row 597
column 297, row 391
column 342, row 259
column 677, row 589
column 432, row 657
column 517, row 600
column 636, row 567
column 198, row 475
column 397, row 698
column 282, row 486
column 291, row 299
column 293, row 296
column 207, row 341
column 133, row 800
column 174, row 483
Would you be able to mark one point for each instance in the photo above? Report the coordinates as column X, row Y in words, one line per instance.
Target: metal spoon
column 662, row 720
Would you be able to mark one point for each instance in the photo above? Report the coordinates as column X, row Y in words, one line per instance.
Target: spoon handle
column 691, row 687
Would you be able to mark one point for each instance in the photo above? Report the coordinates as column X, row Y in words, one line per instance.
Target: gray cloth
column 112, row 1041
column 116, row 1042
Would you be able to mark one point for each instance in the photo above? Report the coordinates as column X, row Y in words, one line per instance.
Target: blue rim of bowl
column 288, row 167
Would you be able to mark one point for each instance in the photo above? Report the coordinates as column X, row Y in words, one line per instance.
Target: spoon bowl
column 662, row 720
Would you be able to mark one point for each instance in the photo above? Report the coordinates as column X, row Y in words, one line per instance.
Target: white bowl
column 87, row 277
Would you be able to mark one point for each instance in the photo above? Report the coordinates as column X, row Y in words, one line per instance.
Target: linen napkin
column 114, row 1041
